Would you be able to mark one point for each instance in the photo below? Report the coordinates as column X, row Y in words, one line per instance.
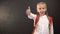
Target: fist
column 28, row 11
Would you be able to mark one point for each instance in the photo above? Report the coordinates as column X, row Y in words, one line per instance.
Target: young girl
column 42, row 22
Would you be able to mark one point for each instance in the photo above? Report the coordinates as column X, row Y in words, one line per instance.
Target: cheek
column 44, row 10
column 38, row 10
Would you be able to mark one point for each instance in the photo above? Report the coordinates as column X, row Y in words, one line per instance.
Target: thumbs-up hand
column 28, row 11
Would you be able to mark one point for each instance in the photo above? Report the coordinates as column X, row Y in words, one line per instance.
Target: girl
column 42, row 22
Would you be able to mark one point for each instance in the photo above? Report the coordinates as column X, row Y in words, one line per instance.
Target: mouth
column 41, row 13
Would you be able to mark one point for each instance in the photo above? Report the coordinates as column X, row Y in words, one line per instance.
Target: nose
column 41, row 9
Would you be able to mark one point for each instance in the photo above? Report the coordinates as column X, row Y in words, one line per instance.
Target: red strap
column 36, row 20
column 50, row 19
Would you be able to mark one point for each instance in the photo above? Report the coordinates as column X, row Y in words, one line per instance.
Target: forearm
column 51, row 29
column 32, row 16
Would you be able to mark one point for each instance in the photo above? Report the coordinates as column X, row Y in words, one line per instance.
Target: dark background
column 13, row 19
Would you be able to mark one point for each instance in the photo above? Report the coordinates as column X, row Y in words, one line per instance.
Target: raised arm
column 29, row 14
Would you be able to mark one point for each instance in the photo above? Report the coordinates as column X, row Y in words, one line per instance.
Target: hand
column 28, row 11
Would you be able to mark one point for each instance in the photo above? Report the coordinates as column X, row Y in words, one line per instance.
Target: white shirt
column 43, row 24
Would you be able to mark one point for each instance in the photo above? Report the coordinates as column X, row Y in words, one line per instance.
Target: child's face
column 41, row 9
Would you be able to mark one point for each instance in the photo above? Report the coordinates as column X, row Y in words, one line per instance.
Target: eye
column 39, row 8
column 42, row 8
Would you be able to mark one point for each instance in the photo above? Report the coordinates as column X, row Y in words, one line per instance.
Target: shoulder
column 50, row 19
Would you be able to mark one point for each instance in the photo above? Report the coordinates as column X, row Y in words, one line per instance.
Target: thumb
column 28, row 7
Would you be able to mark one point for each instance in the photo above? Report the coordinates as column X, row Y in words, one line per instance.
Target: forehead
column 41, row 5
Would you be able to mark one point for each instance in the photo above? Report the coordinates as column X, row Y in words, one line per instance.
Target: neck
column 41, row 14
